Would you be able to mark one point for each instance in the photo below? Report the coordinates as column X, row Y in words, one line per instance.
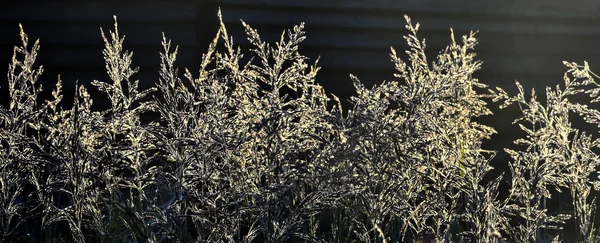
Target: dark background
column 522, row 40
column 519, row 40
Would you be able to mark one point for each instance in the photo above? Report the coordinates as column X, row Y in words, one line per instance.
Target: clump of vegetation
column 257, row 151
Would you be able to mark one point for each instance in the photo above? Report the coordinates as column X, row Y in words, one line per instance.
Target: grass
column 257, row 151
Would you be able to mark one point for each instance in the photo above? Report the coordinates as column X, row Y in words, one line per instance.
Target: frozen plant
column 556, row 156
column 250, row 148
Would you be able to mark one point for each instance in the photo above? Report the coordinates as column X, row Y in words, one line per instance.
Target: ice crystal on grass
column 557, row 156
column 254, row 150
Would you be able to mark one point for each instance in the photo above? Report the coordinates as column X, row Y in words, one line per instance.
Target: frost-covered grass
column 258, row 152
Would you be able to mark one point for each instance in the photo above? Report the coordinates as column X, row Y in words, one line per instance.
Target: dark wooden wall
column 519, row 39
column 524, row 40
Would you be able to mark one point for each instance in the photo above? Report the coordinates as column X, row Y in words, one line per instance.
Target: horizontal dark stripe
column 376, row 22
column 89, row 33
column 90, row 11
column 352, row 40
column 576, row 9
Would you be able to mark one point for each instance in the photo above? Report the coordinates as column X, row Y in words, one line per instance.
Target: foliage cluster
column 257, row 151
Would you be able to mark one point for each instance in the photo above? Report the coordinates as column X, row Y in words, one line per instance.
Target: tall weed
column 254, row 150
